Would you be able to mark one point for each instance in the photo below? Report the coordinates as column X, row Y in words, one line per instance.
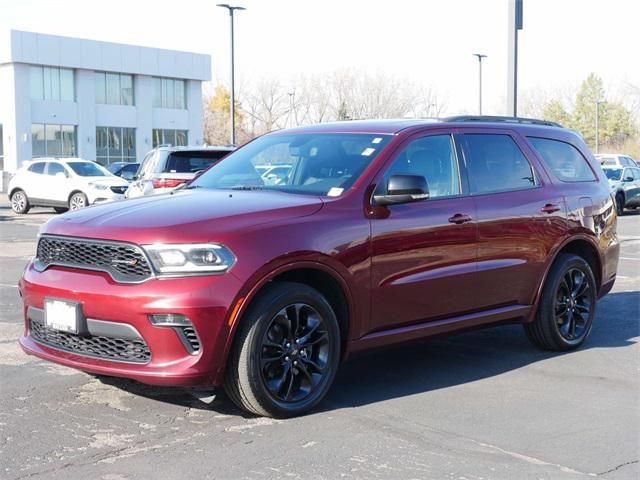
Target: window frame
column 378, row 179
column 518, row 141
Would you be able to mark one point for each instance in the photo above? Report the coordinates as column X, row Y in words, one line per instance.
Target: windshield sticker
column 376, row 140
column 335, row 192
column 367, row 151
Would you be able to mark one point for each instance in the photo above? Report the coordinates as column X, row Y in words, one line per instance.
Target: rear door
column 520, row 217
column 33, row 182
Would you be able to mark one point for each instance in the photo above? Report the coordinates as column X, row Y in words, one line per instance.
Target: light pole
column 232, row 108
column 480, row 57
column 598, row 103
column 292, row 106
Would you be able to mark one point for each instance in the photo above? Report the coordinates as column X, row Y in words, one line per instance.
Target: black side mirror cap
column 404, row 189
column 628, row 179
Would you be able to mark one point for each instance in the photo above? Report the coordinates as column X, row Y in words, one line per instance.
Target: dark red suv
column 376, row 233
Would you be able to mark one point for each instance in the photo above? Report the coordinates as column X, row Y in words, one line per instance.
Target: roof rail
column 489, row 118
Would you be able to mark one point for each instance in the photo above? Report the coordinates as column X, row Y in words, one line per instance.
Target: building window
column 114, row 88
column 169, row 93
column 170, row 137
column 115, row 144
column 52, row 83
column 53, row 140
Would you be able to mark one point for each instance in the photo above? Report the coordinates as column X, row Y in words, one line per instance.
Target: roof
column 192, row 148
column 53, row 50
column 393, row 126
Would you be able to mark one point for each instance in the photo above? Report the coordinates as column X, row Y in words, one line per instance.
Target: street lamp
column 232, row 107
column 480, row 57
column 598, row 103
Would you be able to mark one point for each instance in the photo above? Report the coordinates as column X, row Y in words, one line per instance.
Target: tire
column 61, row 209
column 77, row 201
column 20, row 202
column 267, row 373
column 567, row 306
column 620, row 204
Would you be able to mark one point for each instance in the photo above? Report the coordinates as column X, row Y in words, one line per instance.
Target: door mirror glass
column 403, row 189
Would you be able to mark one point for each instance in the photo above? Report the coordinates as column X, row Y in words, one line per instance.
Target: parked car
column 63, row 183
column 126, row 170
column 615, row 160
column 625, row 186
column 165, row 168
column 383, row 232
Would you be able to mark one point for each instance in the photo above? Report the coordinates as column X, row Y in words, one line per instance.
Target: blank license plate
column 61, row 315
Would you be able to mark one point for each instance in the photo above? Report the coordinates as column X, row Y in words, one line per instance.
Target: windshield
column 88, row 169
column 613, row 173
column 303, row 163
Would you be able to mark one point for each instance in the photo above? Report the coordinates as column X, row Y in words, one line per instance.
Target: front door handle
column 459, row 218
column 550, row 208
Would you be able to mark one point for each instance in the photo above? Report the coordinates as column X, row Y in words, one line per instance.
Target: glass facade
column 169, row 93
column 114, row 88
column 170, row 137
column 115, row 144
column 52, row 83
column 53, row 140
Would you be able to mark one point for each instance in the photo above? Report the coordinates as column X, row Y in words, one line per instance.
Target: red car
column 381, row 232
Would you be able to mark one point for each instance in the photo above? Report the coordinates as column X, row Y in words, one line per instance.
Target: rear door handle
column 550, row 208
column 459, row 218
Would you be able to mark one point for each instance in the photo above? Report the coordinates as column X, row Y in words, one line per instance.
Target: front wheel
column 620, row 204
column 567, row 306
column 19, row 202
column 286, row 352
column 77, row 201
column 60, row 209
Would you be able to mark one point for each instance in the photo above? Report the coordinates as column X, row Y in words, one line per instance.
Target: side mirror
column 403, row 189
column 628, row 179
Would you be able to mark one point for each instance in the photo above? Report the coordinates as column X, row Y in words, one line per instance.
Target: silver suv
column 165, row 167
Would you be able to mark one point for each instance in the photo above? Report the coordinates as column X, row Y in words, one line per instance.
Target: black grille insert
column 123, row 261
column 108, row 348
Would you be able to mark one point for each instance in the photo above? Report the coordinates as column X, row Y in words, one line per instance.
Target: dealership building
column 109, row 102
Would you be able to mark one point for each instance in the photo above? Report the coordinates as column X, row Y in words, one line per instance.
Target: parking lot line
column 6, row 285
column 629, row 258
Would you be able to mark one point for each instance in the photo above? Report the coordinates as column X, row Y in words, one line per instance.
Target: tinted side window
column 563, row 159
column 54, row 168
column 496, row 164
column 37, row 167
column 435, row 159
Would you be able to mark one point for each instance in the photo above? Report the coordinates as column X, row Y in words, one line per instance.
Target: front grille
column 191, row 337
column 119, row 190
column 123, row 261
column 108, row 348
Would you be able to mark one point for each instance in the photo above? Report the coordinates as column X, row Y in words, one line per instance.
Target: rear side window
column 191, row 162
column 496, row 164
column 37, row 167
column 563, row 159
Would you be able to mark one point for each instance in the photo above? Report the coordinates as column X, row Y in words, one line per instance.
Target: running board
column 437, row 327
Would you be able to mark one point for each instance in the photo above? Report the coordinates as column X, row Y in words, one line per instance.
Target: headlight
column 190, row 257
column 98, row 186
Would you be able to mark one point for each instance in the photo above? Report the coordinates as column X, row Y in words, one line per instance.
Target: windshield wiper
column 247, row 187
column 191, row 187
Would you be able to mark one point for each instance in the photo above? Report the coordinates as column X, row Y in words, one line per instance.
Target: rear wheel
column 567, row 306
column 620, row 204
column 286, row 352
column 78, row 200
column 20, row 202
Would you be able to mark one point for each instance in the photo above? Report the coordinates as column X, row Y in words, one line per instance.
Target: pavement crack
column 618, row 467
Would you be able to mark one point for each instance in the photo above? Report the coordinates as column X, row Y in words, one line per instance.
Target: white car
column 625, row 186
column 615, row 160
column 63, row 184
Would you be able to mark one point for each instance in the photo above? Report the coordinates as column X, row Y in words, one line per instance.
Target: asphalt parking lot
column 479, row 405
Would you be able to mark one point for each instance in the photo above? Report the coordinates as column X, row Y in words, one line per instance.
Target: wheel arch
column 315, row 274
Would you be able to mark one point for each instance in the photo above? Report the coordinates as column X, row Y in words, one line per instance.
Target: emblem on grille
column 130, row 261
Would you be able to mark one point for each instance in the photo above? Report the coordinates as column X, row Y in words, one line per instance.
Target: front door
column 424, row 253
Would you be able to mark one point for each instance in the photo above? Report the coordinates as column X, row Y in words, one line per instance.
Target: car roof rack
column 489, row 118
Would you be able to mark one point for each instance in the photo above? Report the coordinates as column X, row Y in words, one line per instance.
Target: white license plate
column 61, row 315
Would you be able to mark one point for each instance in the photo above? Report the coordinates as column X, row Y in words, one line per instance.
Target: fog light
column 170, row 320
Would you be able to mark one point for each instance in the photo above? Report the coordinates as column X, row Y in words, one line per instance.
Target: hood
column 184, row 216
column 111, row 181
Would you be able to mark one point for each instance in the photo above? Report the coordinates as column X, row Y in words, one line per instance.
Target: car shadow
column 433, row 364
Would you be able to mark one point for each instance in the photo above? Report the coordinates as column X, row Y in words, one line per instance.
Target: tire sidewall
column 548, row 299
column 620, row 204
column 263, row 313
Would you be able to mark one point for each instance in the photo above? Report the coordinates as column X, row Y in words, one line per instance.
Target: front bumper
column 97, row 197
column 205, row 300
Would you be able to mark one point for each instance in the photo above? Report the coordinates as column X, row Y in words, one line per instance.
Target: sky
column 428, row 42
